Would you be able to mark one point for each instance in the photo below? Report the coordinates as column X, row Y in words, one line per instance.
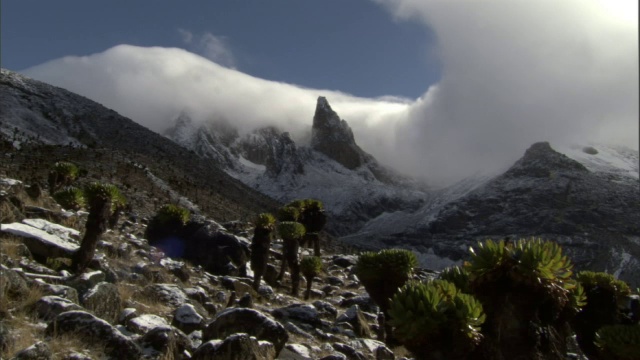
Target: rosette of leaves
column 458, row 276
column 265, row 221
column 291, row 230
column 99, row 197
column 70, row 198
column 62, row 173
column 313, row 217
column 591, row 280
column 603, row 292
column 167, row 222
column 522, row 285
column 310, row 266
column 619, row 341
column 288, row 213
column 383, row 273
column 435, row 320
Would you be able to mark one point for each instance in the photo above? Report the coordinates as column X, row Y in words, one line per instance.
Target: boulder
column 86, row 281
column 95, row 331
column 144, row 323
column 48, row 307
column 217, row 251
column 250, row 321
column 167, row 340
column 235, row 347
column 41, row 244
column 104, row 301
column 37, row 351
column 62, row 291
column 170, row 294
column 187, row 319
column 301, row 312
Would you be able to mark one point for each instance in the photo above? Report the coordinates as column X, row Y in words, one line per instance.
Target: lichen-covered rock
column 250, row 321
column 235, row 347
column 144, row 323
column 48, row 307
column 104, row 301
column 37, row 351
column 95, row 331
column 301, row 312
column 62, row 291
column 86, row 281
column 187, row 319
column 167, row 340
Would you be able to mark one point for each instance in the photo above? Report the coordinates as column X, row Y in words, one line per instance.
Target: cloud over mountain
column 513, row 73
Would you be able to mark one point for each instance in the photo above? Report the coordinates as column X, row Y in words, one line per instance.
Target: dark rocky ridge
column 36, row 113
column 544, row 194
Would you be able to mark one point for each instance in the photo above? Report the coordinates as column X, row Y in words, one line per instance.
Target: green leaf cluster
column 622, row 341
column 424, row 312
column 291, row 230
column 65, row 170
column 70, row 198
column 265, row 221
column 310, row 266
column 533, row 261
column 102, row 192
column 288, row 213
column 591, row 280
column 171, row 214
column 458, row 276
column 390, row 265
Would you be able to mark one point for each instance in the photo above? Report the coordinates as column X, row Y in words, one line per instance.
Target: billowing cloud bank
column 514, row 72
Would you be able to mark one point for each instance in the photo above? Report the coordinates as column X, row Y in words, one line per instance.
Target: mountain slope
column 38, row 113
column 593, row 214
column 334, row 169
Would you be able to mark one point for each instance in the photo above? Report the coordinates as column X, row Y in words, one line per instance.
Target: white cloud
column 213, row 47
column 514, row 72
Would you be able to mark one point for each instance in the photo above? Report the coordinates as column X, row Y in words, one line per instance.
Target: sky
column 437, row 89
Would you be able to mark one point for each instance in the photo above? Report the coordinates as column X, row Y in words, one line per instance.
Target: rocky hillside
column 137, row 303
column 45, row 124
column 589, row 209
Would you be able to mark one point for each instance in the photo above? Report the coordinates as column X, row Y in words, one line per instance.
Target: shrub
column 310, row 266
column 604, row 293
column 524, row 285
column 172, row 214
column 619, row 341
column 70, row 198
column 458, row 276
column 62, row 173
column 291, row 230
column 265, row 221
column 167, row 222
column 383, row 273
column 591, row 280
column 288, row 213
column 436, row 320
column 100, row 199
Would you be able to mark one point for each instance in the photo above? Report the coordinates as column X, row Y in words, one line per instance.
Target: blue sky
column 476, row 82
column 354, row 46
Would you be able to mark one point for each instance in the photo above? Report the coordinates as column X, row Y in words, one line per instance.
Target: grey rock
column 187, row 319
column 144, row 323
column 126, row 315
column 167, row 340
column 301, row 312
column 170, row 294
column 86, row 281
column 62, row 291
column 97, row 331
column 48, row 307
column 345, row 260
column 250, row 321
column 349, row 351
column 334, row 280
column 235, row 347
column 37, row 351
column 104, row 301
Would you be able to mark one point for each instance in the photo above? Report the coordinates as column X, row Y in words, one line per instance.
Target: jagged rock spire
column 333, row 137
column 540, row 160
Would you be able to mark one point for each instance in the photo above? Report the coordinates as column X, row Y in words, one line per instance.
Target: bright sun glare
column 625, row 11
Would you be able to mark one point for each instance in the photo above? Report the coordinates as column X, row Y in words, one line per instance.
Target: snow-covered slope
column 333, row 169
